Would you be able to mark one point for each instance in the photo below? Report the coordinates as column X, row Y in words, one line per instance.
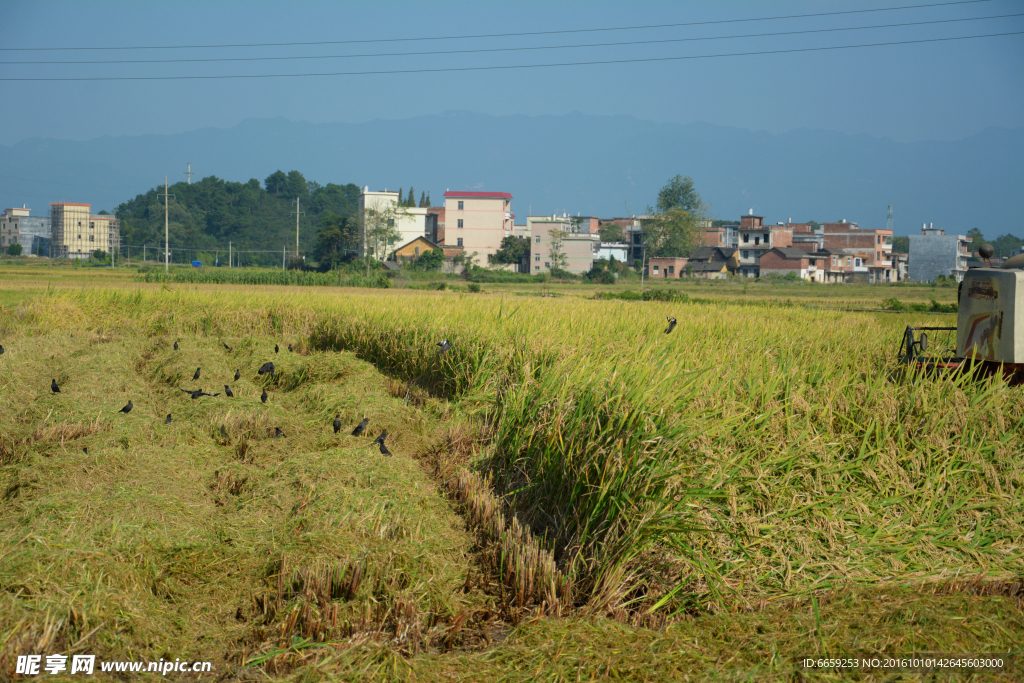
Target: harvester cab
column 989, row 331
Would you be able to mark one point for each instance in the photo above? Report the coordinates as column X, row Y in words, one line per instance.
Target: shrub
column 473, row 287
column 14, row 250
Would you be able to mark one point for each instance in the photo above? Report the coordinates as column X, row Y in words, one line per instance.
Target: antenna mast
column 888, row 222
column 188, row 173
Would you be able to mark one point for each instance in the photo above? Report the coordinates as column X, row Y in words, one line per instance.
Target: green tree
column 99, row 255
column 673, row 228
column 411, row 200
column 1007, row 245
column 334, row 240
column 679, row 193
column 512, row 250
column 296, row 186
column 815, row 225
column 104, row 212
column 276, row 182
column 611, row 232
column 901, row 245
column 14, row 249
column 428, row 201
column 378, row 229
column 559, row 260
column 423, row 199
column 431, row 259
column 977, row 239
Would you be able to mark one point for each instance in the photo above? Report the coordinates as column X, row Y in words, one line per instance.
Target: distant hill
column 597, row 165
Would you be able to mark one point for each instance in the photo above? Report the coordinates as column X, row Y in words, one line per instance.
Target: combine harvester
column 989, row 327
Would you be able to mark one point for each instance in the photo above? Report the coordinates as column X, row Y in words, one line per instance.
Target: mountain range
column 588, row 164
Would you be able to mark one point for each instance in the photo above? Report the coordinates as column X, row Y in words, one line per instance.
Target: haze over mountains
column 594, row 165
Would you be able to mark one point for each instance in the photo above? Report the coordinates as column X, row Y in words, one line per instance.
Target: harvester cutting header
column 989, row 330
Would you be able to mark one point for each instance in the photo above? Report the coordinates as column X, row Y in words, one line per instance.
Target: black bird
column 86, row 450
column 276, row 349
column 443, row 346
column 197, row 393
column 228, row 392
column 53, row 386
column 278, row 432
column 671, row 324
column 337, row 423
column 225, row 346
column 175, row 346
column 2, row 350
column 384, row 449
column 196, row 376
column 380, row 439
column 168, row 420
column 263, row 398
column 266, row 369
column 237, row 375
column 223, row 432
column 361, row 427
column 289, row 348
column 127, row 409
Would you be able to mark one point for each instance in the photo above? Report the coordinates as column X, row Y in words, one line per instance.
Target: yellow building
column 76, row 233
column 414, row 248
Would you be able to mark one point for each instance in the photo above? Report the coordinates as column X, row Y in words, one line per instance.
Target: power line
column 498, row 35
column 516, row 49
column 520, row 66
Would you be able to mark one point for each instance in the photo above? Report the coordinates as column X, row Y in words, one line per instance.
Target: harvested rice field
column 573, row 494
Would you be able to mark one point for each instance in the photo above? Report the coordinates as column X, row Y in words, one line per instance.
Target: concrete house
column 712, row 263
column 666, row 267
column 934, row 253
column 410, row 222
column 478, row 221
column 76, row 233
column 784, row 261
column 580, row 249
column 873, row 247
column 755, row 238
column 413, row 249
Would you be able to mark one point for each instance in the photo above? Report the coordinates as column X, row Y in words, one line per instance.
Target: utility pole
column 297, row 212
column 188, row 173
column 284, row 254
column 167, row 246
column 229, row 254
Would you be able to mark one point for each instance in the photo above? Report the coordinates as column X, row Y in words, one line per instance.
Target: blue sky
column 942, row 90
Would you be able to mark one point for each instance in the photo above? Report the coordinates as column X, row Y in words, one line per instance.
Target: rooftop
column 478, row 195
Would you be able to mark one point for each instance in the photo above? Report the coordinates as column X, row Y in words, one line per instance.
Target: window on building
column 848, row 261
column 757, row 241
column 460, row 222
column 536, row 267
column 857, row 263
column 537, row 239
column 766, row 238
column 92, row 238
column 746, row 238
column 833, row 260
column 460, row 242
column 547, row 264
column 92, row 226
column 671, row 270
column 746, row 254
column 655, row 269
column 536, row 257
column 460, row 208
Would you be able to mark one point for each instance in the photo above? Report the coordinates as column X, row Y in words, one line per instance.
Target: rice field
column 580, row 474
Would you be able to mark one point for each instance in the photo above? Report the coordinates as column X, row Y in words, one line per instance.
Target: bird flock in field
column 268, row 369
column 265, row 369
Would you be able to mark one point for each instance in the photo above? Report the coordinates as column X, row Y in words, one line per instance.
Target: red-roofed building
column 477, row 222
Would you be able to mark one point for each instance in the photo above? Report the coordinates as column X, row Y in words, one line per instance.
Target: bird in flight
column 237, row 375
column 168, row 420
column 337, row 423
column 276, row 349
column 225, row 346
column 196, row 376
column 228, row 392
column 175, row 346
column 127, row 409
column 671, row 324
column 278, row 432
column 266, row 369
column 263, row 398
column 384, row 449
column 361, row 427
column 53, row 386
column 380, row 439
column 443, row 346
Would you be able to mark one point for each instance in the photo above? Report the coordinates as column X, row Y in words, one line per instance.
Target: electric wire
column 499, row 35
column 514, row 66
column 514, row 49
